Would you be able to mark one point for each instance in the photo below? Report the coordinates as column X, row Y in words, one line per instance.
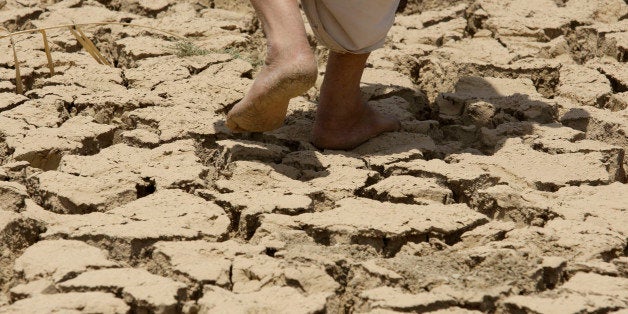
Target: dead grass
column 18, row 76
column 51, row 66
column 182, row 48
column 88, row 45
column 185, row 46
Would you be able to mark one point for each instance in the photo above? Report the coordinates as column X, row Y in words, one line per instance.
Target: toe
column 233, row 126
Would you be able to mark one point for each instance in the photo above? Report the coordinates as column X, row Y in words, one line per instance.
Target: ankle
column 299, row 65
column 288, row 52
column 339, row 105
column 339, row 117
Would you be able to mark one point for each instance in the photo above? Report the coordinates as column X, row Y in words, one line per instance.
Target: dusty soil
column 122, row 191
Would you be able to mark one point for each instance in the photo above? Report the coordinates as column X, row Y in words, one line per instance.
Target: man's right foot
column 286, row 75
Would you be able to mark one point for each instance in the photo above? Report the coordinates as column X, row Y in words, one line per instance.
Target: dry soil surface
column 121, row 190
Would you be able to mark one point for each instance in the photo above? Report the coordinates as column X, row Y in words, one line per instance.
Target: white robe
column 351, row 26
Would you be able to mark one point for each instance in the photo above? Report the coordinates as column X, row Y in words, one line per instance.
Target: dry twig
column 84, row 44
column 18, row 76
column 93, row 47
column 47, row 50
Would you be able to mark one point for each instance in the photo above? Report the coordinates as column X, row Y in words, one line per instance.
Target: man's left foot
column 345, row 133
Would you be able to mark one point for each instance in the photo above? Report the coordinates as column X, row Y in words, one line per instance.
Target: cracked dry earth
column 121, row 190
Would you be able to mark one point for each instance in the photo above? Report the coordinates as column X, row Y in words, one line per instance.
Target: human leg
column 290, row 69
column 343, row 120
column 351, row 29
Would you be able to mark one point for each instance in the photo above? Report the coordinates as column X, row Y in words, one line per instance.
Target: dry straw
column 75, row 30
column 18, row 76
column 51, row 66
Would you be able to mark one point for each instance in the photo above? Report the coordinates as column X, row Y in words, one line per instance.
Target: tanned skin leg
column 343, row 120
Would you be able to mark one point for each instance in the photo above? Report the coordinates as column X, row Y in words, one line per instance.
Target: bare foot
column 345, row 133
column 343, row 120
column 286, row 75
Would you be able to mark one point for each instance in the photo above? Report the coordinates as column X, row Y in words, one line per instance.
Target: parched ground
column 121, row 190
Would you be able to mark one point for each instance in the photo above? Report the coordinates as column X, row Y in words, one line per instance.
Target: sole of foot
column 347, row 135
column 265, row 106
